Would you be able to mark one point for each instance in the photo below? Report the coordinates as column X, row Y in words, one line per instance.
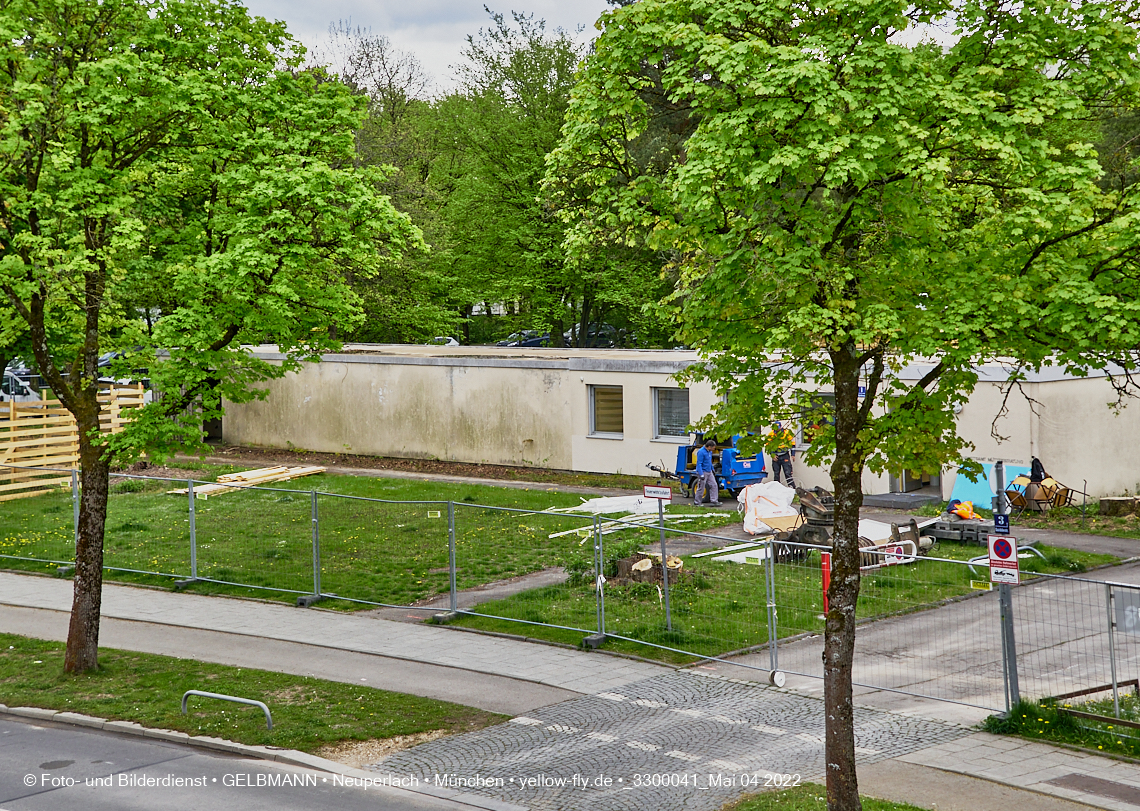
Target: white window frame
column 682, row 439
column 593, row 412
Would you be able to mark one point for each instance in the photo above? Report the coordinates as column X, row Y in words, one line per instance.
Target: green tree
column 414, row 299
column 840, row 204
column 171, row 157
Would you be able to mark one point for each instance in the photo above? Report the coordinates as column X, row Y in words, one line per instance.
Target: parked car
column 16, row 388
column 443, row 340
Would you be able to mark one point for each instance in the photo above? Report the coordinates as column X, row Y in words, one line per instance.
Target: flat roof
column 654, row 361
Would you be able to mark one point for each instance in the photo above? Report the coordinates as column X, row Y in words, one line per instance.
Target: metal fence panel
column 274, row 548
column 147, row 528
column 38, row 533
column 526, row 567
column 383, row 552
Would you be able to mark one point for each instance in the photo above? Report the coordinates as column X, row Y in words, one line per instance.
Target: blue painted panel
column 981, row 492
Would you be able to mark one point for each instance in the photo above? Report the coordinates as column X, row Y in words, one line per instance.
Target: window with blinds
column 606, row 410
column 671, row 407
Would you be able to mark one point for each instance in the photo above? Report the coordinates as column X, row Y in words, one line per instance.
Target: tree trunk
column 83, row 633
column 843, row 593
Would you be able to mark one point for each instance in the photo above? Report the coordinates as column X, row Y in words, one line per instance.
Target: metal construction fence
column 926, row 629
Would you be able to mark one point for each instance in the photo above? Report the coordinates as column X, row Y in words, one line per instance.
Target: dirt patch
column 290, row 695
column 258, row 456
column 144, row 468
column 362, row 753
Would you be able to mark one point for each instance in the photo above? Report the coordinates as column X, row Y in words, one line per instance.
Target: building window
column 670, row 413
column 606, row 416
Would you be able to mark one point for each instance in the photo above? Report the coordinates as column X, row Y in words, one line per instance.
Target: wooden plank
column 248, row 475
column 45, row 461
column 14, row 496
column 35, row 483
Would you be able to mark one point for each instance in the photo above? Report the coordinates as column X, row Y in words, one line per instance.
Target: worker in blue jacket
column 706, row 479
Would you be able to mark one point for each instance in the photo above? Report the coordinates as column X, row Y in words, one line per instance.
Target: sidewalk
column 557, row 667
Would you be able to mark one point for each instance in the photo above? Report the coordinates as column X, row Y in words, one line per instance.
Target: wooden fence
column 42, row 433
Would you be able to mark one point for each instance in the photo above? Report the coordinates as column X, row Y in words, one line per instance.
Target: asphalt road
column 47, row 767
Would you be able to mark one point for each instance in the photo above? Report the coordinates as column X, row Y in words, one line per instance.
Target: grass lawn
column 382, row 552
column 1044, row 721
column 808, row 797
column 721, row 607
column 147, row 689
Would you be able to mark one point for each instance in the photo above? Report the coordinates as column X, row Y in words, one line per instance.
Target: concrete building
column 612, row 411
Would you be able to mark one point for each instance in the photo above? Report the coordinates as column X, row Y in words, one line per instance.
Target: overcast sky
column 434, row 30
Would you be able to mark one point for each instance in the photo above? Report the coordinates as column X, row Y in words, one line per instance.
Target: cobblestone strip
column 681, row 740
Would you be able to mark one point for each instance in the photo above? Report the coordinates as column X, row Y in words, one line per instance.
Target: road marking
column 803, row 736
column 726, row 765
column 770, row 730
column 526, row 722
column 612, row 696
column 601, row 736
column 645, row 702
column 724, row 719
column 645, row 747
column 683, row 756
column 863, row 750
column 690, row 713
column 562, row 728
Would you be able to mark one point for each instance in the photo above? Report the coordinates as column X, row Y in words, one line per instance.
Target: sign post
column 1005, row 572
column 662, row 494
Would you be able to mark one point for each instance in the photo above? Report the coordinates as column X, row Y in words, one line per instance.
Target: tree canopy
column 174, row 185
column 842, row 198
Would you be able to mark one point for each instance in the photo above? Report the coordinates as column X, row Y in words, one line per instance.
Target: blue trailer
column 733, row 472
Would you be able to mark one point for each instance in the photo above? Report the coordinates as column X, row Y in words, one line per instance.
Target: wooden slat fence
column 43, row 434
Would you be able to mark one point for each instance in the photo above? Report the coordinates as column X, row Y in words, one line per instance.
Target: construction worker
column 706, row 479
column 783, row 443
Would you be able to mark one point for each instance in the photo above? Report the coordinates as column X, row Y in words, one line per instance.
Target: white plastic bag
column 765, row 500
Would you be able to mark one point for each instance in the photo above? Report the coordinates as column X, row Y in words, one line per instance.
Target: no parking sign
column 1003, row 560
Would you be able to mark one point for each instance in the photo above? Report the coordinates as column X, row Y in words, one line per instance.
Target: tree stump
column 1119, row 505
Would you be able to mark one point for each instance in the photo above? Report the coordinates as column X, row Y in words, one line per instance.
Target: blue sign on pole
column 1001, row 524
column 862, row 391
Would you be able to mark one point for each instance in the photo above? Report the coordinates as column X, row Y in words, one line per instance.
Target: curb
column 291, row 757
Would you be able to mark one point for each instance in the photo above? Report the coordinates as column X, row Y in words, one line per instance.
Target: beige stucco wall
column 531, row 407
column 637, row 446
column 507, row 416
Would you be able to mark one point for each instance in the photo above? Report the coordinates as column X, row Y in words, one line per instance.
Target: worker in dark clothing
column 783, row 442
column 706, row 479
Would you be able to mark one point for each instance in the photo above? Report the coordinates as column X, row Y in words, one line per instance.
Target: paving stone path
column 682, row 740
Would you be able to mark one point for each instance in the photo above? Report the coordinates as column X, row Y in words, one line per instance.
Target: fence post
column 316, row 549
column 600, row 575
column 75, row 506
column 193, row 533
column 451, row 555
column 770, row 587
column 664, row 565
column 1008, row 645
column 1112, row 649
column 597, row 639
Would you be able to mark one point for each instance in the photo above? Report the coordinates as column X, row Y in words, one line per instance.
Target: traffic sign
column 654, row 491
column 1003, row 560
column 1001, row 524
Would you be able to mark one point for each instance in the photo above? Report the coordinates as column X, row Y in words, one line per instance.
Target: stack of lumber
column 251, row 478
